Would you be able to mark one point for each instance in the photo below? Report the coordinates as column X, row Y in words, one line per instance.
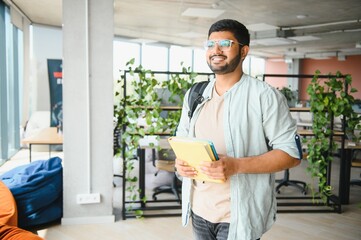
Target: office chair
column 302, row 186
column 166, row 162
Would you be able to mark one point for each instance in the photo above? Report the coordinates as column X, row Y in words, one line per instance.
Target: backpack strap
column 195, row 96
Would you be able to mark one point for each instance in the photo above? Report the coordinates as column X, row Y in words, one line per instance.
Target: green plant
column 127, row 111
column 287, row 93
column 177, row 85
column 143, row 102
column 328, row 99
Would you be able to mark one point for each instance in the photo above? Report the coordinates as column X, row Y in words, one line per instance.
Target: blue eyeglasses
column 223, row 44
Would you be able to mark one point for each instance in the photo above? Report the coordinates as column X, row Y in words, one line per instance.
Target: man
column 245, row 118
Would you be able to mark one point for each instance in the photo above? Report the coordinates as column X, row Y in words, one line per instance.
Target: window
column 154, row 58
column 200, row 61
column 164, row 58
column 10, row 71
column 124, row 52
column 179, row 55
column 254, row 66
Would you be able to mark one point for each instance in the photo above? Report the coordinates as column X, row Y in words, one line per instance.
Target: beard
column 227, row 68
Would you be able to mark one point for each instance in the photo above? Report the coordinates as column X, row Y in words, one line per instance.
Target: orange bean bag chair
column 9, row 218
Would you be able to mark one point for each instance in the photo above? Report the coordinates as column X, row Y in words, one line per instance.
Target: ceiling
column 280, row 29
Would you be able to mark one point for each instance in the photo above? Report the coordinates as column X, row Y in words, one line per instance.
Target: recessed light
column 202, row 12
column 272, row 41
column 260, row 27
column 301, row 16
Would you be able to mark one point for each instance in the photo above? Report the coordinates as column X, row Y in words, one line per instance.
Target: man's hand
column 221, row 169
column 184, row 169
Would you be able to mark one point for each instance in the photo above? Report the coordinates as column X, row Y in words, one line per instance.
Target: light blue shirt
column 253, row 112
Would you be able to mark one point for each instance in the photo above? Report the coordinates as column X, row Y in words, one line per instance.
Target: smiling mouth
column 217, row 58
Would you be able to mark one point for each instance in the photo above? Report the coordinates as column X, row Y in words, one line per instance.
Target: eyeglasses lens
column 223, row 44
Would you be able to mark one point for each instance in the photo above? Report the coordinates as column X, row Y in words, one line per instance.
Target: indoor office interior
column 67, row 112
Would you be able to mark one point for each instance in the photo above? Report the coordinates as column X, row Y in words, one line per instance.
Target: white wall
column 46, row 43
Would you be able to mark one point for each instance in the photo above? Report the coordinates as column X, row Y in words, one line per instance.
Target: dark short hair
column 239, row 31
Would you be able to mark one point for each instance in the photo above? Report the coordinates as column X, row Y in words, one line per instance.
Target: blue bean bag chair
column 38, row 191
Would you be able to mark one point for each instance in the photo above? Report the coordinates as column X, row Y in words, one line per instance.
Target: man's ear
column 244, row 52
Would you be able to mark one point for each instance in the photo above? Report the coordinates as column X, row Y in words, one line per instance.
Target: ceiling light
column 301, row 16
column 191, row 35
column 202, row 12
column 288, row 60
column 260, row 27
column 321, row 55
column 304, row 38
column 143, row 40
column 272, row 41
column 215, row 5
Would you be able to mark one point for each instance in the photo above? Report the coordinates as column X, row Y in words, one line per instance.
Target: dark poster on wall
column 55, row 71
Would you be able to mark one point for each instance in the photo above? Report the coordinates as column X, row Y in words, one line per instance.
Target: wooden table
column 47, row 136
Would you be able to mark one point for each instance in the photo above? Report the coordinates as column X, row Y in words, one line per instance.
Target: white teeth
column 217, row 58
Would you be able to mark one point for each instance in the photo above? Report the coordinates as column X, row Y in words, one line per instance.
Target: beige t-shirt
column 211, row 200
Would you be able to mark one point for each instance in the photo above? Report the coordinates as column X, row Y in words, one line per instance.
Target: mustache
column 217, row 55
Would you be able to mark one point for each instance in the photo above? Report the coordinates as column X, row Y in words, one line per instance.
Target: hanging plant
column 177, row 86
column 143, row 102
column 328, row 99
column 127, row 112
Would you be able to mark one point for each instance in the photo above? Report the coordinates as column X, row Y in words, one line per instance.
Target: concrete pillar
column 88, row 109
column 293, row 66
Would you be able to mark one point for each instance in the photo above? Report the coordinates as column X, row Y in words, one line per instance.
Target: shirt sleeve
column 279, row 126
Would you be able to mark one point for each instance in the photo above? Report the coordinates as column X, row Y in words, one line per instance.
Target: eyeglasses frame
column 220, row 47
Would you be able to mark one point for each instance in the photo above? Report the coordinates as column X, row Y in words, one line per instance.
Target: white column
column 26, row 73
column 88, row 109
column 293, row 68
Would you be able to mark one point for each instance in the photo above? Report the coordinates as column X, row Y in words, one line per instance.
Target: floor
column 289, row 226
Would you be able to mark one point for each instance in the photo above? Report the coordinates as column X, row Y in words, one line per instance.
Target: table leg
column 345, row 171
column 142, row 175
column 30, row 151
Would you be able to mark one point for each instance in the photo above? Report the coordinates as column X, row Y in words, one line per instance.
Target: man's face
column 226, row 60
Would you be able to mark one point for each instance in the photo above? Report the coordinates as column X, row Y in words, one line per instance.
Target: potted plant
column 289, row 95
column 328, row 99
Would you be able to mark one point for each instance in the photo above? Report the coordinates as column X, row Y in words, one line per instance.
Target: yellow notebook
column 194, row 151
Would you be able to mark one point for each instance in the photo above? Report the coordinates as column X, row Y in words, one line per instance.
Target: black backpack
column 195, row 96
